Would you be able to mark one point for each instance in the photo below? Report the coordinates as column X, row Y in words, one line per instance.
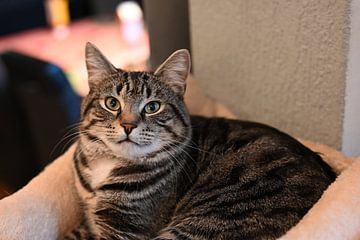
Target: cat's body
column 146, row 170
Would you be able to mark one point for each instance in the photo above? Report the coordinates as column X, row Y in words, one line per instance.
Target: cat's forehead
column 136, row 83
column 132, row 84
column 137, row 76
column 121, row 79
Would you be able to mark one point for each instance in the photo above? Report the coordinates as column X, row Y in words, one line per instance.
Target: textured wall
column 281, row 62
column 351, row 132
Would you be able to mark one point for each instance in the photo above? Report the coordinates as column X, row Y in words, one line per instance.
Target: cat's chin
column 131, row 150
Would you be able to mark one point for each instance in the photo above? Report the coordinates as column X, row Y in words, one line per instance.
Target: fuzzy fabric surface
column 47, row 207
column 337, row 214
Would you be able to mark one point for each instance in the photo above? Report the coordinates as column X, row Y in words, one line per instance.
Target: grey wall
column 275, row 61
column 351, row 134
column 168, row 25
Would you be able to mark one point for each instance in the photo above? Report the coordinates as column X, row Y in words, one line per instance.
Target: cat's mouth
column 127, row 140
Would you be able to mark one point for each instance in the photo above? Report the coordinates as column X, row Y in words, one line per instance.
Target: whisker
column 179, row 163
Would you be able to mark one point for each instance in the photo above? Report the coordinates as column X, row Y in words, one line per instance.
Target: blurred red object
column 68, row 53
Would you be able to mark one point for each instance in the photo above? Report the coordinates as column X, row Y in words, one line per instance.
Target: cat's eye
column 152, row 107
column 112, row 103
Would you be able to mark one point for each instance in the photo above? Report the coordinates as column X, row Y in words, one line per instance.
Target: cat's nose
column 128, row 127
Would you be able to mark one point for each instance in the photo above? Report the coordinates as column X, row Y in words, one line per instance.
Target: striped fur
column 182, row 177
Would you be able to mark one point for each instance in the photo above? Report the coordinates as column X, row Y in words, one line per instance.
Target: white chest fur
column 100, row 170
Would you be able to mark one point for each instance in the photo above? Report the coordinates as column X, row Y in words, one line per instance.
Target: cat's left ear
column 175, row 70
column 97, row 65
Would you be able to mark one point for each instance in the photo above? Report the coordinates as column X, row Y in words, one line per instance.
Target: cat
column 145, row 169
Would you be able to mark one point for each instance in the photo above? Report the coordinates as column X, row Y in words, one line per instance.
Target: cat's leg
column 80, row 233
column 190, row 230
column 173, row 233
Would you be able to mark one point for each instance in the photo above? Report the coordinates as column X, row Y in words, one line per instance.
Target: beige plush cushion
column 48, row 207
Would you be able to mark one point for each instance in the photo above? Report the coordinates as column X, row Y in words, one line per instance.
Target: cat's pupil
column 152, row 107
column 113, row 103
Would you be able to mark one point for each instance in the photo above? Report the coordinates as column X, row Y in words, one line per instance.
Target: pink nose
column 128, row 127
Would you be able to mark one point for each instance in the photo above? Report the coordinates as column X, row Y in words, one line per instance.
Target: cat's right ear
column 175, row 70
column 98, row 67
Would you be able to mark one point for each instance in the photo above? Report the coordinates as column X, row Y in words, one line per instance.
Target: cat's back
column 254, row 181
column 251, row 142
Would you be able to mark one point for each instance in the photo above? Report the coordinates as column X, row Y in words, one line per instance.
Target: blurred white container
column 130, row 16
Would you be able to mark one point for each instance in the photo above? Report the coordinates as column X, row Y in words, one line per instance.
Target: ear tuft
column 97, row 65
column 175, row 70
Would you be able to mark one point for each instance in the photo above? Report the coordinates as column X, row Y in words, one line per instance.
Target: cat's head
column 135, row 114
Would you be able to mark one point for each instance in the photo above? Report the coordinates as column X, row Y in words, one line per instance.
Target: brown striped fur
column 166, row 175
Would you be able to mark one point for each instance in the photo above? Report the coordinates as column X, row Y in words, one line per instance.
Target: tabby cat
column 145, row 169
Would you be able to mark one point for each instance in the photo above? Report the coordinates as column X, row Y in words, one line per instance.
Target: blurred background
column 43, row 75
column 290, row 64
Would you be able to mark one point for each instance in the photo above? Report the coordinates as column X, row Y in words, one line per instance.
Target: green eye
column 152, row 107
column 112, row 103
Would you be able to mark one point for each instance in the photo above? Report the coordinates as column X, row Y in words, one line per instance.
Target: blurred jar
column 58, row 17
column 130, row 16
